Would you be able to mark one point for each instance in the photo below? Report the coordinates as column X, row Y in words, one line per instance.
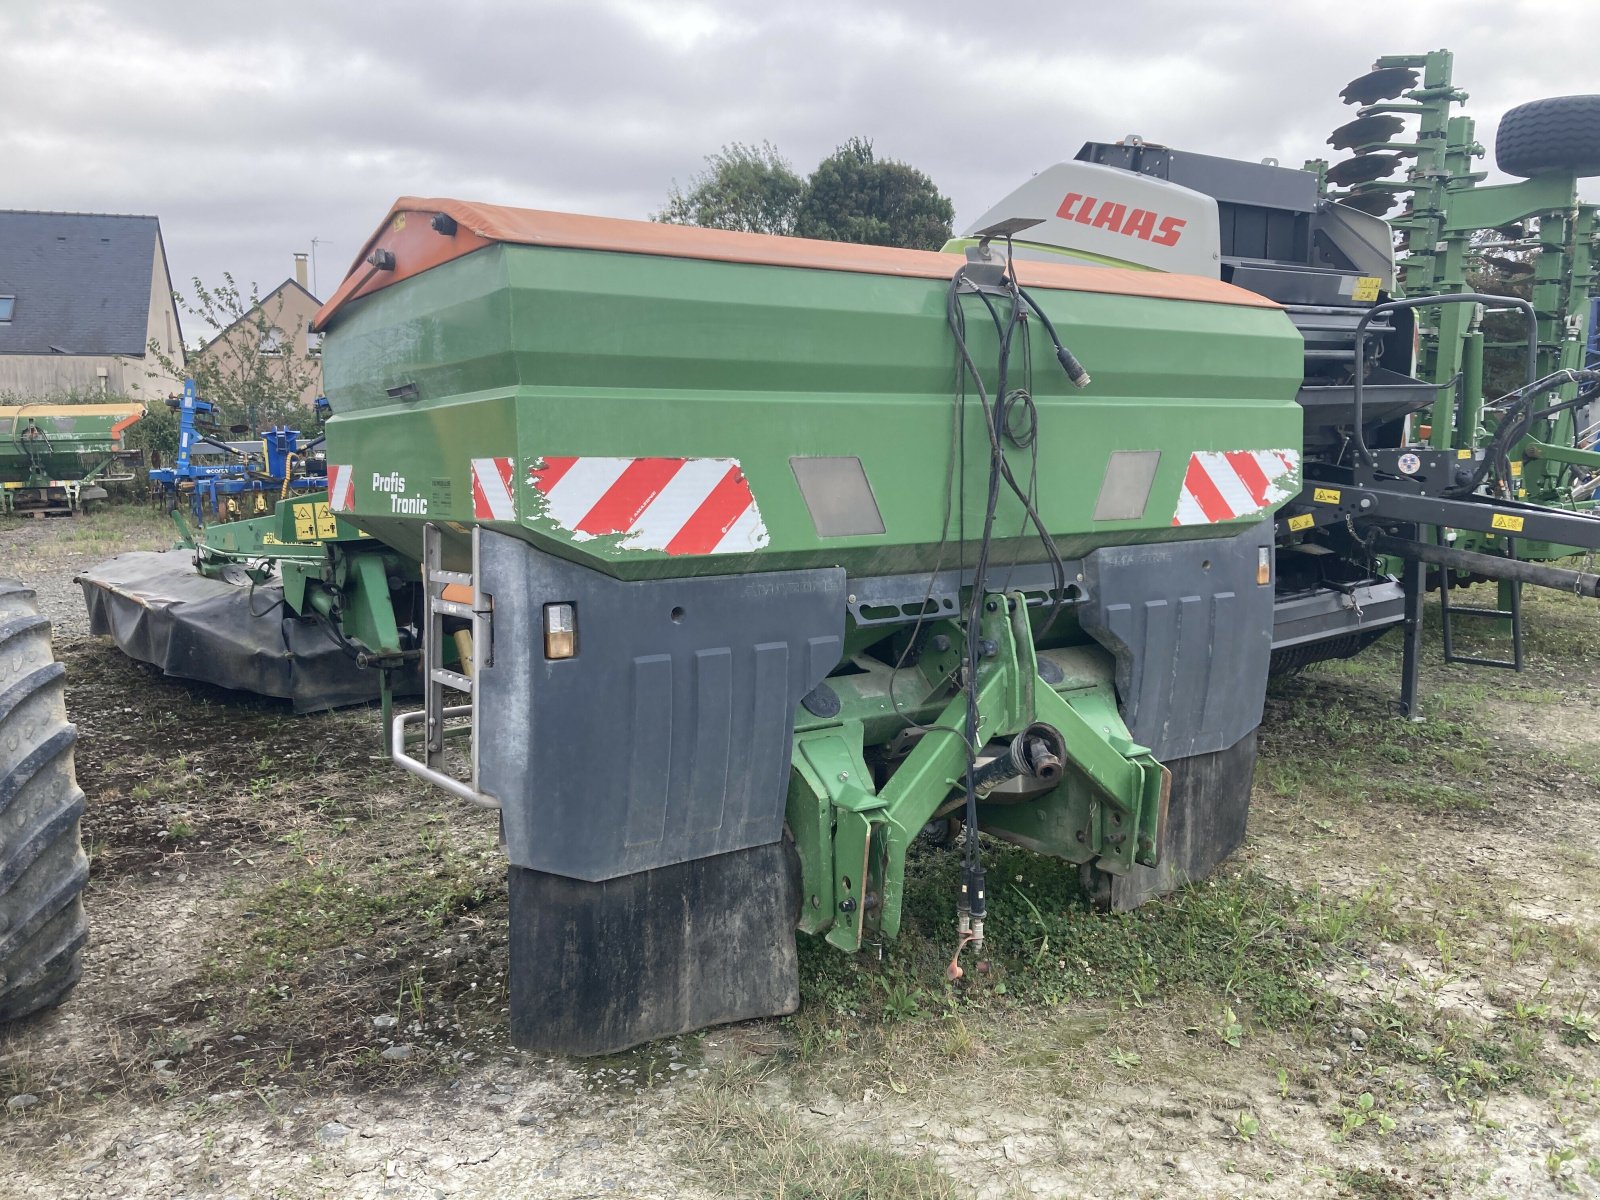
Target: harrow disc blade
column 1363, row 131
column 1364, row 168
column 1383, row 84
column 1376, row 203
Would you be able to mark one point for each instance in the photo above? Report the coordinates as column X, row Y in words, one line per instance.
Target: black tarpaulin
column 160, row 610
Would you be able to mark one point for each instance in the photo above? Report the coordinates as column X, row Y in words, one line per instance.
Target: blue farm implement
column 227, row 480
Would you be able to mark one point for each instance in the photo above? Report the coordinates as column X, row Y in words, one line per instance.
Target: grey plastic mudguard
column 667, row 737
column 1191, row 631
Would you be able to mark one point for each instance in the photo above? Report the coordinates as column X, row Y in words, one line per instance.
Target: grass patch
column 1323, row 737
column 1243, row 941
column 102, row 529
column 329, row 900
column 416, row 932
column 741, row 1148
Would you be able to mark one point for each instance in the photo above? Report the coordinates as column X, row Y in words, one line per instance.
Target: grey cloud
column 249, row 129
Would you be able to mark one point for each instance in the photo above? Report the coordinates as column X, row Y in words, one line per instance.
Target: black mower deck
column 160, row 610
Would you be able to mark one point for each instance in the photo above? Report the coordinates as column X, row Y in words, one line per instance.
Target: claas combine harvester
column 731, row 564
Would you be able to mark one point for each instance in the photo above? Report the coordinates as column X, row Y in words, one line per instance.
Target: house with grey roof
column 82, row 297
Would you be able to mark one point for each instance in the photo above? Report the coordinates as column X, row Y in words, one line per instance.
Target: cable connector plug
column 1074, row 369
column 970, row 931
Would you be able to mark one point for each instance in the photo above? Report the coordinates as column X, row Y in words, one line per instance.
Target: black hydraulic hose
column 1515, row 425
column 1568, row 375
column 1493, row 566
column 1358, row 400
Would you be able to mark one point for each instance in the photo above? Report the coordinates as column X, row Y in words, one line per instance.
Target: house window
column 8, row 306
column 314, row 345
column 271, row 343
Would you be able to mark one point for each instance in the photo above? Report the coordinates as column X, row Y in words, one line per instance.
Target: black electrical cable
column 956, row 443
column 999, row 471
column 998, row 425
column 250, row 602
column 1068, row 360
column 973, row 892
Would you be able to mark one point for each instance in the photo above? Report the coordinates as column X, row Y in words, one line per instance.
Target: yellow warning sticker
column 1326, row 495
column 327, row 523
column 314, row 522
column 1463, row 453
column 1366, row 288
column 1303, row 521
column 1516, row 467
column 1507, row 522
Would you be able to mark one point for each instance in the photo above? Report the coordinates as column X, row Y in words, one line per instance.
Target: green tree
column 853, row 196
column 255, row 370
column 156, row 434
column 752, row 189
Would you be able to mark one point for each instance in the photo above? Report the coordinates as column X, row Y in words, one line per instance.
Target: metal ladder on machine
column 1511, row 613
column 435, row 713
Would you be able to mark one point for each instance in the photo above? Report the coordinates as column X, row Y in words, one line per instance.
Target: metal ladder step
column 1448, row 611
column 436, row 713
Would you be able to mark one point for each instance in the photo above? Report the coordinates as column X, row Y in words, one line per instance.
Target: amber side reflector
column 560, row 630
column 1264, row 565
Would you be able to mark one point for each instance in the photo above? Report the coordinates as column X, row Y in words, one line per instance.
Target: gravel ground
column 46, row 553
column 295, row 985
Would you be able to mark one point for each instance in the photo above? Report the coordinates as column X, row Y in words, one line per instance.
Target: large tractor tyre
column 1558, row 135
column 42, row 865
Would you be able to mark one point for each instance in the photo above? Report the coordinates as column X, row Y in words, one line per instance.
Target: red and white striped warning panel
column 494, row 493
column 675, row 505
column 1228, row 485
column 341, row 487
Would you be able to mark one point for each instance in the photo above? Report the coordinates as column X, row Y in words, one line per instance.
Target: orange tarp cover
column 407, row 233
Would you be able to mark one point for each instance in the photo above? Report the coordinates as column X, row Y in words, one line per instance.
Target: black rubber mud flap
column 1205, row 824
column 600, row 967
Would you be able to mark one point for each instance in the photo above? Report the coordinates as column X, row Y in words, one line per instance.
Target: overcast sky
column 253, row 128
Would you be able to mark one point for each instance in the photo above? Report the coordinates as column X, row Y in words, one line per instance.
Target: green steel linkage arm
column 366, row 608
column 1130, row 784
column 99, row 469
column 852, row 841
column 935, row 768
column 1472, row 209
column 1561, row 454
column 871, row 833
column 181, row 522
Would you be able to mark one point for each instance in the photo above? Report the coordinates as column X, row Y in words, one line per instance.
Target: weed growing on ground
column 743, row 1148
column 1243, row 939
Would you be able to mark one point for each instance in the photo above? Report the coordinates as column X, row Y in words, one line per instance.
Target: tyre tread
column 1558, row 134
column 43, row 870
